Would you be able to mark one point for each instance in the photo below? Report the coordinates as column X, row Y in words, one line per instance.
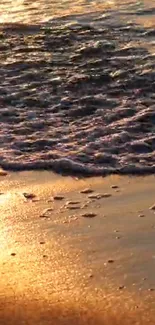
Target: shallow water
column 30, row 11
column 77, row 91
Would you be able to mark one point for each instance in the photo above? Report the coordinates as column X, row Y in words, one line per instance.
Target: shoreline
column 70, row 265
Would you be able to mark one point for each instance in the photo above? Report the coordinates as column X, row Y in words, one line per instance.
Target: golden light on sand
column 55, row 270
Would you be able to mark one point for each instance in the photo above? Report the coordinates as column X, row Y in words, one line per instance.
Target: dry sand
column 76, row 258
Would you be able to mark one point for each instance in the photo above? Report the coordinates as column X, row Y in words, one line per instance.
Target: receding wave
column 77, row 96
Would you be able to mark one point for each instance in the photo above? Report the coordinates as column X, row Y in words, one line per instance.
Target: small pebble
column 44, row 216
column 42, row 242
column 88, row 215
column 29, row 195
column 58, row 197
column 151, row 289
column 141, row 215
column 13, row 254
column 118, row 237
column 121, row 287
column 114, row 186
column 110, row 261
column 44, row 255
column 86, row 191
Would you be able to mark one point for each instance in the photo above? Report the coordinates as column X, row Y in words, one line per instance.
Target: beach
column 77, row 251
column 77, row 162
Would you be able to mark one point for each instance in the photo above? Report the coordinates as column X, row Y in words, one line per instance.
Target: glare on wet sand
column 56, row 267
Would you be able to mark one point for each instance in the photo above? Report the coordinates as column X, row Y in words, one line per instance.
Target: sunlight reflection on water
column 41, row 10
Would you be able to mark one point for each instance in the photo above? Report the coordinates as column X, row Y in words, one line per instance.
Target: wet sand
column 69, row 257
column 76, row 251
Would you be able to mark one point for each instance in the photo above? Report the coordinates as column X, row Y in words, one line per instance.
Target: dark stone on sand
column 114, row 186
column 110, row 261
column 13, row 254
column 58, row 197
column 29, row 195
column 44, row 216
column 121, row 287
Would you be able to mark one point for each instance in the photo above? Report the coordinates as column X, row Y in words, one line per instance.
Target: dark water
column 77, row 93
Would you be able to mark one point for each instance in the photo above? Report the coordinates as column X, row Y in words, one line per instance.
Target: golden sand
column 60, row 266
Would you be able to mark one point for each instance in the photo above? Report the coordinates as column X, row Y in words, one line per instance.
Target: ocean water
column 77, row 90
